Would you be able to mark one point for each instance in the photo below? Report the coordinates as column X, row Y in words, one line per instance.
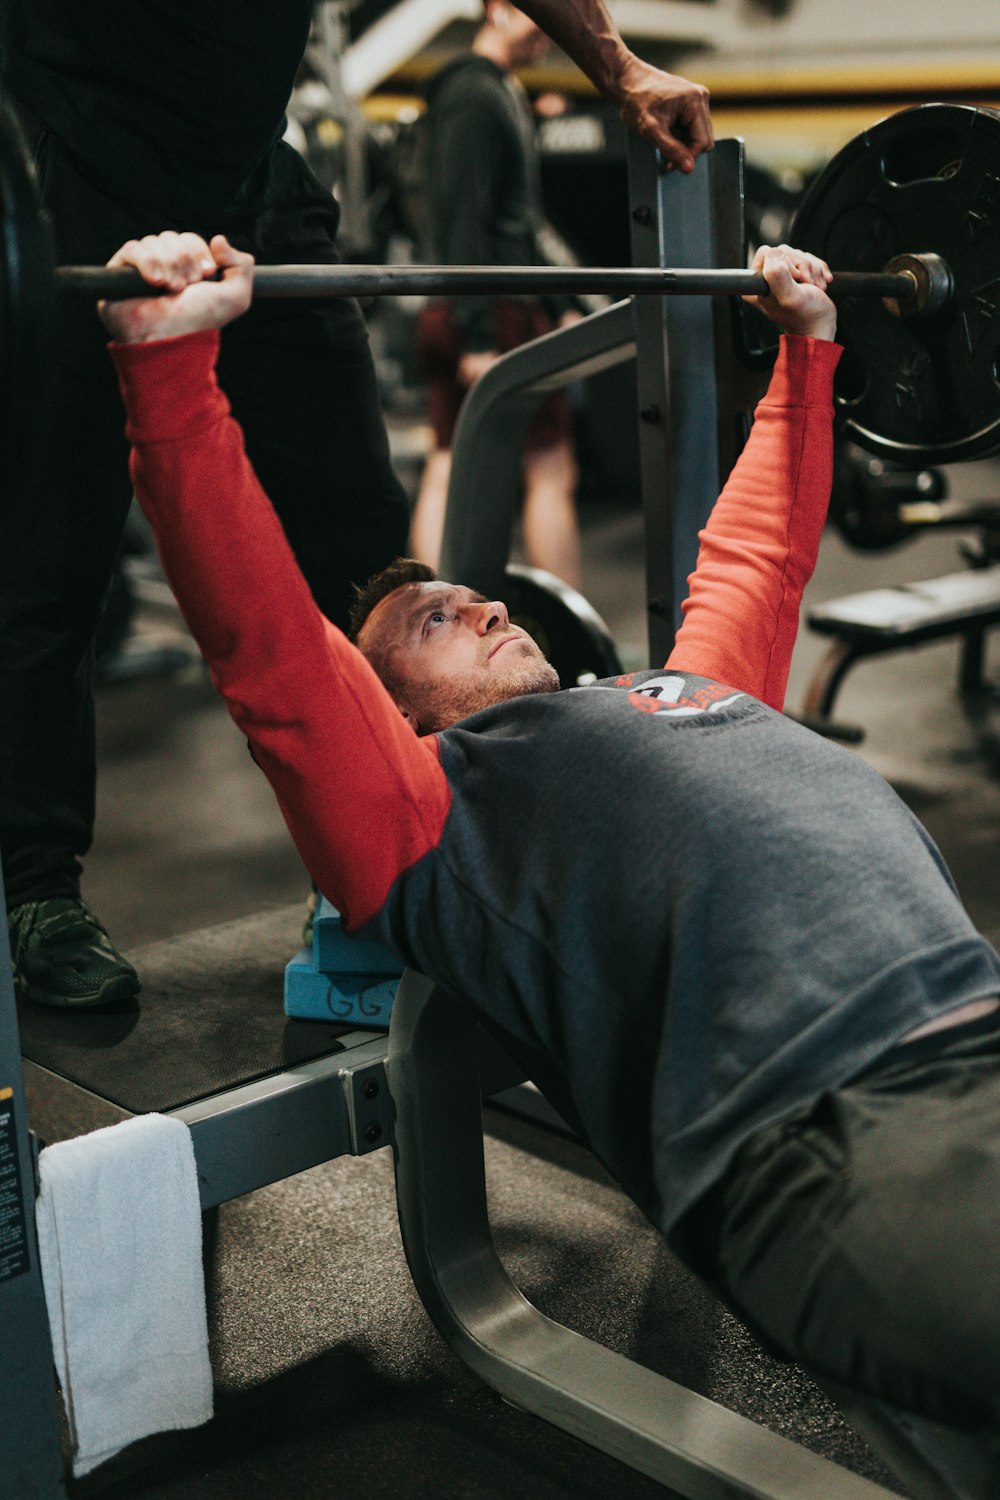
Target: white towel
column 119, row 1232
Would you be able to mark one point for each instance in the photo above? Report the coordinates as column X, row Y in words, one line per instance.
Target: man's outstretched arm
column 759, row 547
column 668, row 111
column 363, row 797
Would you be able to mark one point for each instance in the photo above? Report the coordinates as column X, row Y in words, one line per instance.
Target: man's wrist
column 125, row 329
column 620, row 65
column 825, row 330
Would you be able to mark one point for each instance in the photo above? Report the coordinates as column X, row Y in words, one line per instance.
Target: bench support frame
column 700, row 1449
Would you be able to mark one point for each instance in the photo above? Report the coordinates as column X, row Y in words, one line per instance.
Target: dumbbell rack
column 422, row 1087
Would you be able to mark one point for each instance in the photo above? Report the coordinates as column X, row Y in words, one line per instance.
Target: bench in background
column 901, row 618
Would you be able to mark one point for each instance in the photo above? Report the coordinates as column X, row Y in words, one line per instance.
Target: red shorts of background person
column 440, row 349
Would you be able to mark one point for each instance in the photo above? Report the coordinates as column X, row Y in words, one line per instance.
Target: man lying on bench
column 721, row 945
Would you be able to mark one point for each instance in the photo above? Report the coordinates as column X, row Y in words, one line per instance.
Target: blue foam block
column 336, row 953
column 356, row 999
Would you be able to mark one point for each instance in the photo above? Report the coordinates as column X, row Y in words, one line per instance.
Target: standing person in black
column 141, row 116
column 484, row 207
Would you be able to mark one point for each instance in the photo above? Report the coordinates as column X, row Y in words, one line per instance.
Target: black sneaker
column 62, row 956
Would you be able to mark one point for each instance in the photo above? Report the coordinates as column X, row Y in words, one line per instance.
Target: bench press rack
column 421, row 1088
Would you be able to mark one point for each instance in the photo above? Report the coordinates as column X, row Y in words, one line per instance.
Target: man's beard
column 444, row 703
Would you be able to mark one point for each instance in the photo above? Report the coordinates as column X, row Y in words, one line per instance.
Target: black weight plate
column 571, row 633
column 917, row 390
column 27, row 298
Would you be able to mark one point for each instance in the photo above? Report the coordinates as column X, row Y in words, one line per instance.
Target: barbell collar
column 932, row 281
column 122, row 283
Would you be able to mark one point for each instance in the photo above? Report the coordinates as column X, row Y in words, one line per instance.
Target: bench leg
column 700, row 1449
column 970, row 670
column 825, row 683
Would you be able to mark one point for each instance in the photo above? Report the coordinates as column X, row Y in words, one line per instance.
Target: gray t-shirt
column 684, row 913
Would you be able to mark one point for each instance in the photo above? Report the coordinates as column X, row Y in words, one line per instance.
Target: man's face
column 445, row 652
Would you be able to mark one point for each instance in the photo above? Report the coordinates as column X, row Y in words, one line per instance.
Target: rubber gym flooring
column 330, row 1379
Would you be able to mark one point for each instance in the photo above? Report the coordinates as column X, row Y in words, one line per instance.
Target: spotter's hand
column 668, row 111
column 797, row 300
column 186, row 268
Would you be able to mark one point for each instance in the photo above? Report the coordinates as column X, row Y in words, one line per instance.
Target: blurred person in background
column 484, row 208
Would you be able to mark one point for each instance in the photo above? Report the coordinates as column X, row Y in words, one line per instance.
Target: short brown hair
column 399, row 573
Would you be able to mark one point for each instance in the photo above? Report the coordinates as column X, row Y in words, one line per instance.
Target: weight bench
column 874, row 623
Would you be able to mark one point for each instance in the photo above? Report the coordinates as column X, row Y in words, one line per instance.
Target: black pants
column 861, row 1237
column 301, row 381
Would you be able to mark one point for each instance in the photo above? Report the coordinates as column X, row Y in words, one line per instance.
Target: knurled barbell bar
column 908, row 214
column 914, row 283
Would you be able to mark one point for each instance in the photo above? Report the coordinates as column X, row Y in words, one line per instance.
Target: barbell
column 914, row 284
column 908, row 213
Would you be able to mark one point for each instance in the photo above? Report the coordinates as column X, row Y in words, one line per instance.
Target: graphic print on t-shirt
column 668, row 694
